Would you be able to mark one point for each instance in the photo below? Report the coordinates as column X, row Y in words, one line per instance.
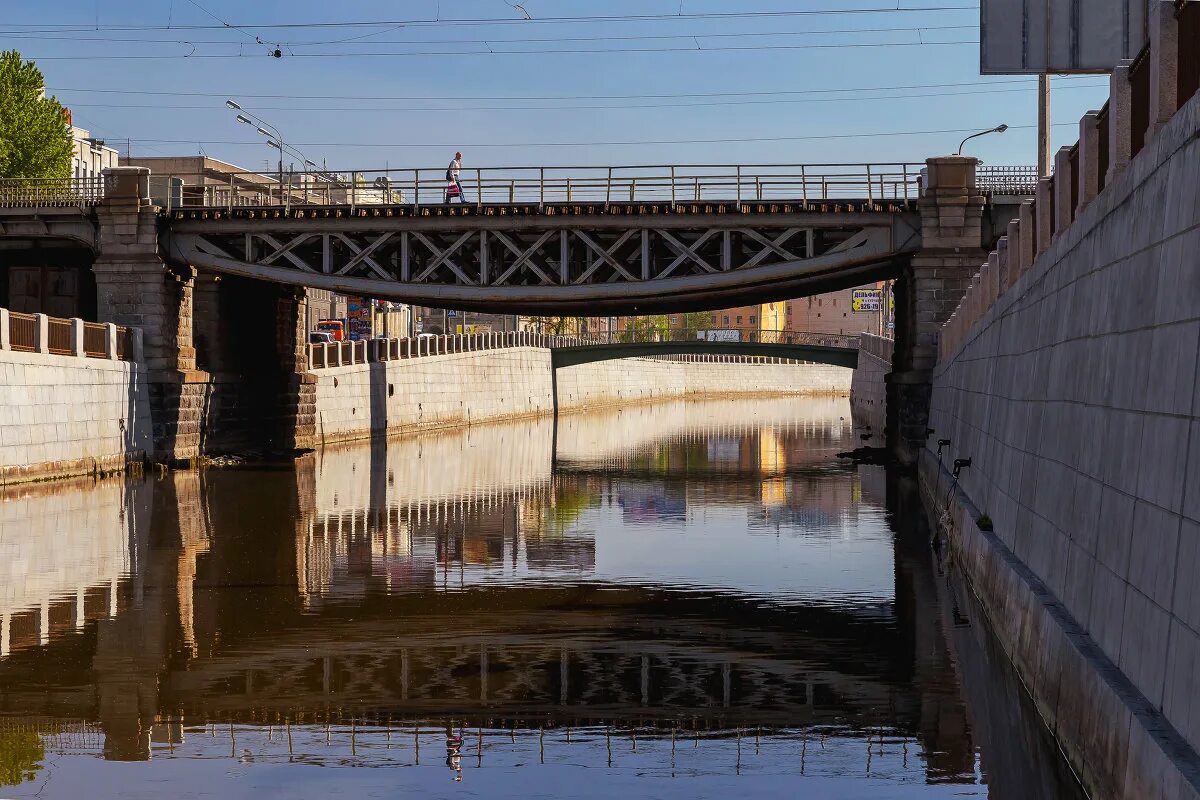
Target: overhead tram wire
column 661, row 96
column 477, row 41
column 493, row 52
column 497, row 145
column 609, row 18
column 626, row 107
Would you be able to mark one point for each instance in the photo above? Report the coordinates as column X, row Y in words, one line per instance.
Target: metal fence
column 337, row 354
column 679, row 183
column 555, row 185
column 51, row 193
column 1019, row 181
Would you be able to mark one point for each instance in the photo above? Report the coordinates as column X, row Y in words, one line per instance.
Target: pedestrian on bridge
column 453, row 187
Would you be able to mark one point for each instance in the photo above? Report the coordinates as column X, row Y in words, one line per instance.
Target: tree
column 557, row 326
column 35, row 140
column 696, row 321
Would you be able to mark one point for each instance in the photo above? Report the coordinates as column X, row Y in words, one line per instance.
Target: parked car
column 321, row 337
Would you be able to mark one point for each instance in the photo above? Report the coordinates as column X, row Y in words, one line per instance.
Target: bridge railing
column 1008, row 180
column 679, row 183
column 683, row 183
column 342, row 354
column 38, row 333
column 51, row 192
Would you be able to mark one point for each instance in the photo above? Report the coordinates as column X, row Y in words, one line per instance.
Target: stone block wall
column 1075, row 395
column 354, row 402
column 65, row 415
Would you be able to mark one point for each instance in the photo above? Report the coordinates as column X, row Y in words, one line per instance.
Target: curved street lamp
column 998, row 129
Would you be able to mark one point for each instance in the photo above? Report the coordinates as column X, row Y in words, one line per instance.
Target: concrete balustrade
column 1064, row 209
column 1120, row 121
column 1089, row 160
column 1027, row 238
column 1164, row 65
column 1076, row 183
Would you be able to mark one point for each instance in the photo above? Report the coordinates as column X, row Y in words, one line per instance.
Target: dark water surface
column 691, row 599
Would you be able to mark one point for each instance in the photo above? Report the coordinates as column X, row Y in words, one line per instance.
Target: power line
column 663, row 96
column 623, row 143
column 654, row 37
column 494, row 52
column 627, row 107
column 617, row 18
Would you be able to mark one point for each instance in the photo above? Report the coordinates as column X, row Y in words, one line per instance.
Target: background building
column 91, row 156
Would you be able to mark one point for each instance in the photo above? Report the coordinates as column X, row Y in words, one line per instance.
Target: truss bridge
column 569, row 239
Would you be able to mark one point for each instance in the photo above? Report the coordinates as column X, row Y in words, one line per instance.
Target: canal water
column 681, row 600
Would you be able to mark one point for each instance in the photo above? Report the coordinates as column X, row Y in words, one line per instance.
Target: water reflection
column 687, row 592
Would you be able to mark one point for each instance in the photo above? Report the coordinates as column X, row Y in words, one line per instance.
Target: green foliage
column 35, row 140
column 645, row 329
column 984, row 523
column 21, row 753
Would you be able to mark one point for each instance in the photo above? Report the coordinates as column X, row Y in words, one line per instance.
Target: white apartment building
column 91, row 155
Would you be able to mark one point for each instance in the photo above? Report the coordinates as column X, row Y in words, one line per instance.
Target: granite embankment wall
column 67, row 415
column 355, row 402
column 1075, row 395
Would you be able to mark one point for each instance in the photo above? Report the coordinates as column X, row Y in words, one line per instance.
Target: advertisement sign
column 719, row 336
column 867, row 300
column 358, row 312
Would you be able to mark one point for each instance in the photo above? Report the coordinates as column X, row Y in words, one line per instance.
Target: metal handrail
column 346, row 353
column 416, row 187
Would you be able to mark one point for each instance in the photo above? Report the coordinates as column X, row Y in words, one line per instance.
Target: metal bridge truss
column 568, row 261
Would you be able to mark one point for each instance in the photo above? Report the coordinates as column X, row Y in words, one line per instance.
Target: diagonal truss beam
column 523, row 257
column 443, row 257
column 363, row 256
column 686, row 252
column 770, row 246
column 607, row 256
column 283, row 250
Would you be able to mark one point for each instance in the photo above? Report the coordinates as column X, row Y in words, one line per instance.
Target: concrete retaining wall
column 1076, row 398
column 64, row 415
column 358, row 401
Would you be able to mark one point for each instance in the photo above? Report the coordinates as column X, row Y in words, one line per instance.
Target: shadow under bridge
column 665, row 239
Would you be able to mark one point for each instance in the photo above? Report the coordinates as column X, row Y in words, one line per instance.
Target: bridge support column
column 928, row 292
column 135, row 287
column 296, row 427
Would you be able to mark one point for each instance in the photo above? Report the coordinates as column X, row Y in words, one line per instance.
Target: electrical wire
column 494, row 52
column 604, row 18
column 660, row 96
column 626, row 107
column 532, row 40
column 616, row 143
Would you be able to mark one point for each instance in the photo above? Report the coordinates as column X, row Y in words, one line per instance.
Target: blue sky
column 455, row 94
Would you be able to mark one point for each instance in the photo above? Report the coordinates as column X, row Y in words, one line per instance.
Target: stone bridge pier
column 928, row 290
column 246, row 385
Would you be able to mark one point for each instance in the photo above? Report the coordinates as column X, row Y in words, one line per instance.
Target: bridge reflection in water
column 686, row 589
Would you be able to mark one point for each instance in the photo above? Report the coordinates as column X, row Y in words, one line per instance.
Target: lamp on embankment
column 998, row 129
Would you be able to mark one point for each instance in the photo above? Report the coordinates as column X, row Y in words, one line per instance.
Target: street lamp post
column 997, row 129
column 261, row 125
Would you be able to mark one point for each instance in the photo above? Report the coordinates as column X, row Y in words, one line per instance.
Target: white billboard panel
column 1053, row 36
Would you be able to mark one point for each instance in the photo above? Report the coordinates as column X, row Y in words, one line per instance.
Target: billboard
column 867, row 300
column 719, row 336
column 1053, row 36
column 358, row 312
